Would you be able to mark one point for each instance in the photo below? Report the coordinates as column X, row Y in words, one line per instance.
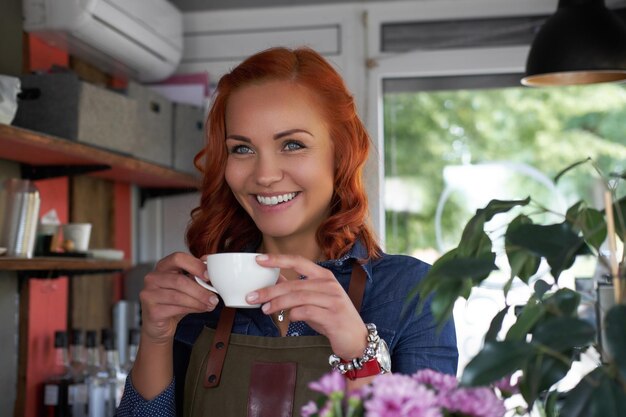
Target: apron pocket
column 272, row 389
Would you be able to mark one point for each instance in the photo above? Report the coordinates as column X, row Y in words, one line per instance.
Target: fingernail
column 262, row 257
column 206, row 274
column 214, row 300
column 266, row 307
column 252, row 297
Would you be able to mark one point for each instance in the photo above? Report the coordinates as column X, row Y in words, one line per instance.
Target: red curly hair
column 220, row 224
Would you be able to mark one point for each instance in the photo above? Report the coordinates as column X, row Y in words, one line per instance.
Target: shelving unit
column 45, row 156
column 38, row 149
column 65, row 264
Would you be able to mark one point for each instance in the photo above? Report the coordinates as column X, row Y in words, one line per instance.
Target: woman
column 283, row 177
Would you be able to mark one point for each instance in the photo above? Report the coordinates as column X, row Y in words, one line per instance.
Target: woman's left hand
column 319, row 300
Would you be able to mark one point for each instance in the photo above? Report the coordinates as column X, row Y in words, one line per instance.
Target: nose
column 268, row 170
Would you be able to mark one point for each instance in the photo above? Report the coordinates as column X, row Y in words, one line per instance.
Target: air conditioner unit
column 140, row 39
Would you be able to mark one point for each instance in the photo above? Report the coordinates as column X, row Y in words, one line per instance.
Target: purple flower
column 400, row 396
column 474, row 402
column 506, row 386
column 436, row 380
column 308, row 409
column 329, row 383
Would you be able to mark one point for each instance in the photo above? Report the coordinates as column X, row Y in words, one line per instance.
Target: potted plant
column 545, row 339
column 547, row 334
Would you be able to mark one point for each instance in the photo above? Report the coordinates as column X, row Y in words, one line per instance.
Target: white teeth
column 276, row 199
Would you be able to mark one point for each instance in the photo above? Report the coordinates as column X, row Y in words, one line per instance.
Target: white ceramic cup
column 79, row 233
column 234, row 275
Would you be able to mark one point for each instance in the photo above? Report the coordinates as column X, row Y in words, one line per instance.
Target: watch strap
column 369, row 368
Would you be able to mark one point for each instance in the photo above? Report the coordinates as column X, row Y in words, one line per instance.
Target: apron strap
column 217, row 354
column 356, row 289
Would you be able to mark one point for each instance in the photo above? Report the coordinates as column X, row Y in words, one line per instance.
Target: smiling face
column 280, row 158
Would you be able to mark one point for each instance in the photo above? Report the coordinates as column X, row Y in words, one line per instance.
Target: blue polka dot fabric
column 299, row 328
column 134, row 405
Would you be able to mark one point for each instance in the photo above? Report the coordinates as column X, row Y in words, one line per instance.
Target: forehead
column 273, row 100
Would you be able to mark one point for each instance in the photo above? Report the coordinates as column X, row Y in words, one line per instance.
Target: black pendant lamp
column 583, row 42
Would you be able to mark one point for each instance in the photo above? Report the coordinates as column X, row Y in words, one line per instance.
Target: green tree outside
column 548, row 129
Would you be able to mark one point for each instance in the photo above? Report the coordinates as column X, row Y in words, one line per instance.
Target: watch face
column 383, row 357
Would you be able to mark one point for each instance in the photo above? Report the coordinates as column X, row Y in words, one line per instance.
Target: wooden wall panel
column 91, row 296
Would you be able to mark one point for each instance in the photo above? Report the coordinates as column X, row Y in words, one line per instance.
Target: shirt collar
column 357, row 253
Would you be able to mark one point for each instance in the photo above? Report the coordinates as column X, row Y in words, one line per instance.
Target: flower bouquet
column 427, row 393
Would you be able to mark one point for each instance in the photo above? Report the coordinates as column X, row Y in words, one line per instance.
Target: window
column 451, row 144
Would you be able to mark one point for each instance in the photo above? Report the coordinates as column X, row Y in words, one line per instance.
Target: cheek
column 232, row 175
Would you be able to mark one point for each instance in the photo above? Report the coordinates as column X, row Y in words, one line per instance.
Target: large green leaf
column 609, row 399
column 445, row 297
column 474, row 240
column 428, row 284
column 593, row 226
column 550, row 404
column 558, row 243
column 541, row 287
column 496, row 360
column 496, row 324
column 523, row 262
column 540, row 374
column 578, row 401
column 589, row 221
column 528, row 318
column 451, row 277
column 459, row 268
column 564, row 333
column 615, row 332
column 596, row 395
column 563, row 302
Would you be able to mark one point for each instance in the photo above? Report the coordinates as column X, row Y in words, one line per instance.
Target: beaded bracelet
column 369, row 353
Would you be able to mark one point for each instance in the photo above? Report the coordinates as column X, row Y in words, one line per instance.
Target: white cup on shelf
column 78, row 234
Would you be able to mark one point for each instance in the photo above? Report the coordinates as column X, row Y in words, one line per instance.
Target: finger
column 295, row 299
column 182, row 284
column 166, row 312
column 181, row 262
column 299, row 264
column 328, row 286
column 158, row 297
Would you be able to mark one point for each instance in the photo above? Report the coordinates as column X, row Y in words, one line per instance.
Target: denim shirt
column 413, row 339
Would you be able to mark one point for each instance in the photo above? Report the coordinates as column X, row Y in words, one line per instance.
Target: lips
column 275, row 199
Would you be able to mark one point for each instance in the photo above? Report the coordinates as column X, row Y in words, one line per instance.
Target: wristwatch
column 375, row 360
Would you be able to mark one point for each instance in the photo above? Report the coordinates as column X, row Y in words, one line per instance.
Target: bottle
column 116, row 376
column 133, row 345
column 97, row 379
column 77, row 391
column 55, row 400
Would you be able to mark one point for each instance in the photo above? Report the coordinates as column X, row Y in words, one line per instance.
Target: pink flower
column 436, row 380
column 329, row 383
column 506, row 386
column 400, row 396
column 308, row 409
column 474, row 402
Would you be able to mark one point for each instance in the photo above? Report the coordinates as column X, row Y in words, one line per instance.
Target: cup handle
column 205, row 285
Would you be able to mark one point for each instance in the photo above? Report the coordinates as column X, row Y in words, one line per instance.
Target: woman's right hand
column 169, row 293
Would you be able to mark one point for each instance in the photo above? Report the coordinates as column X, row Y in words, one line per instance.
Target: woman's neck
column 305, row 247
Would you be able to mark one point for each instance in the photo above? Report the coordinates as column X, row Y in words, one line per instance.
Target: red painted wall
column 48, row 298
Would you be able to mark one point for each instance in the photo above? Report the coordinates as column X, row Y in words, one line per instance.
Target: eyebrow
column 277, row 136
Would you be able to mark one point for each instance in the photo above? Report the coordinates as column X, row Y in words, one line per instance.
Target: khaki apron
column 233, row 375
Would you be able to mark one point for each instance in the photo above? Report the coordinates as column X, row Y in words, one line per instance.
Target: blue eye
column 240, row 149
column 293, row 145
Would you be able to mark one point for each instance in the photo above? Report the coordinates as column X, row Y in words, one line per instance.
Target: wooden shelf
column 34, row 148
column 74, row 265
